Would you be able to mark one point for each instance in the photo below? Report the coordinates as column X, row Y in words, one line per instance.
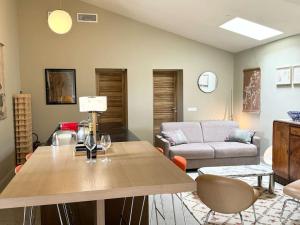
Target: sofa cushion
column 191, row 130
column 175, row 137
column 193, row 151
column 241, row 135
column 233, row 149
column 217, row 130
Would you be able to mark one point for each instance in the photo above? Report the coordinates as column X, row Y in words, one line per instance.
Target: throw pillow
column 175, row 137
column 240, row 135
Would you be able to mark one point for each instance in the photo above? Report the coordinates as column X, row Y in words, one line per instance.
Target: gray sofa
column 206, row 144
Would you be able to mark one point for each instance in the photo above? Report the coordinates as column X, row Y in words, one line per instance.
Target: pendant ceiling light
column 60, row 21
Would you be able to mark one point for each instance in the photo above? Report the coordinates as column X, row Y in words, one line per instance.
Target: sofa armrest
column 162, row 143
column 256, row 142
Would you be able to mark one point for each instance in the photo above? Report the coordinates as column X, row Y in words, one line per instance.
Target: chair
column 181, row 163
column 31, row 214
column 18, row 168
column 292, row 190
column 27, row 157
column 64, row 137
column 69, row 126
column 226, row 195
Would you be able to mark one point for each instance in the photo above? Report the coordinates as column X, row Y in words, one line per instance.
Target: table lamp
column 93, row 105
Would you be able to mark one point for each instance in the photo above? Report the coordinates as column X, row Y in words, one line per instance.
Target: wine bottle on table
column 91, row 145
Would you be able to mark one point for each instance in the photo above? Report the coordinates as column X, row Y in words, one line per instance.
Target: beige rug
column 268, row 208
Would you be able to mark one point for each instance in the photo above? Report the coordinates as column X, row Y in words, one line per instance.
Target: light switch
column 192, row 109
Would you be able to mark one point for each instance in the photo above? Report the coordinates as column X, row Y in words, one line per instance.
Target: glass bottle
column 91, row 145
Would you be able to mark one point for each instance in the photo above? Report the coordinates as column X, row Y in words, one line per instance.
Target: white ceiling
column 199, row 20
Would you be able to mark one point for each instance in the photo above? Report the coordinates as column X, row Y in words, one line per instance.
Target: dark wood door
column 164, row 98
column 281, row 149
column 295, row 153
column 113, row 84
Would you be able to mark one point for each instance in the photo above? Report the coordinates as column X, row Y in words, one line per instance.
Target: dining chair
column 182, row 164
column 64, row 137
column 31, row 213
column 226, row 195
column 32, row 209
column 68, row 126
column 122, row 220
column 292, row 190
column 28, row 156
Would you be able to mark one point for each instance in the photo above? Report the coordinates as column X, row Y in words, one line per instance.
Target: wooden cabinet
column 286, row 151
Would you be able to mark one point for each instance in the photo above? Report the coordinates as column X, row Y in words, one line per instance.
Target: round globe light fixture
column 60, row 21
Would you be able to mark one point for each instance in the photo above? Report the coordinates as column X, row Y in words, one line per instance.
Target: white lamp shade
column 93, row 104
column 60, row 21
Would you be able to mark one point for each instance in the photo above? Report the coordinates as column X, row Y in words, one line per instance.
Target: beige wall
column 275, row 101
column 115, row 42
column 9, row 37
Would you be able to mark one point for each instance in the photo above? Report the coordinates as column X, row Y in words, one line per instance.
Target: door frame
column 125, row 97
column 179, row 91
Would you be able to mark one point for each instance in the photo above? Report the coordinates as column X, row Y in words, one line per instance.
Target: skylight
column 250, row 29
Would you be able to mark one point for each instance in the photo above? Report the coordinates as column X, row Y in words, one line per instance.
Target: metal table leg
column 259, row 181
column 271, row 184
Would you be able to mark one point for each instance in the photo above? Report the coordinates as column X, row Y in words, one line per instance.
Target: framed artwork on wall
column 3, row 113
column 60, row 86
column 284, row 76
column 296, row 75
column 251, row 90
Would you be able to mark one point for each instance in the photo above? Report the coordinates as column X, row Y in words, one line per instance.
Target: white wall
column 275, row 101
column 115, row 42
column 9, row 37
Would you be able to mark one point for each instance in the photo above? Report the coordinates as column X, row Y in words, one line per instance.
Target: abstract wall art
column 60, row 86
column 251, row 90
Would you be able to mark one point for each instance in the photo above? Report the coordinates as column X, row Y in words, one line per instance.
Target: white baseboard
column 5, row 180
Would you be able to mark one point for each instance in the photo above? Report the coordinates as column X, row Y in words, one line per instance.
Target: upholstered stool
column 31, row 217
column 27, row 157
column 160, row 150
column 18, row 168
column 292, row 190
column 31, row 208
column 180, row 162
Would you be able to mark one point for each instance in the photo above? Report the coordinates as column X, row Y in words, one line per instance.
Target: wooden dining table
column 54, row 175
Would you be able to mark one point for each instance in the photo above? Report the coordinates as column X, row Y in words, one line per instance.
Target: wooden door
column 165, row 98
column 281, row 142
column 113, row 84
column 294, row 154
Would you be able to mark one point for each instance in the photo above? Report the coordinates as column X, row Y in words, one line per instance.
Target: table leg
column 259, row 181
column 271, row 184
column 100, row 214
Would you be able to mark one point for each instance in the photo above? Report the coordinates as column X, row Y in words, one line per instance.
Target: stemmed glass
column 105, row 142
column 90, row 144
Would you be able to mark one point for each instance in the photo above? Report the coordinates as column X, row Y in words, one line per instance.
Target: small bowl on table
column 294, row 115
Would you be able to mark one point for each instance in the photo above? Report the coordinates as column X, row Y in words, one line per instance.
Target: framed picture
column 284, row 76
column 3, row 112
column 251, row 90
column 60, row 86
column 296, row 74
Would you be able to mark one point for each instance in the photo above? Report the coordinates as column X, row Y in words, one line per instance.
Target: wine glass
column 90, row 144
column 105, row 143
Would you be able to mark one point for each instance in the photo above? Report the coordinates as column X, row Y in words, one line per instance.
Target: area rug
column 268, row 208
